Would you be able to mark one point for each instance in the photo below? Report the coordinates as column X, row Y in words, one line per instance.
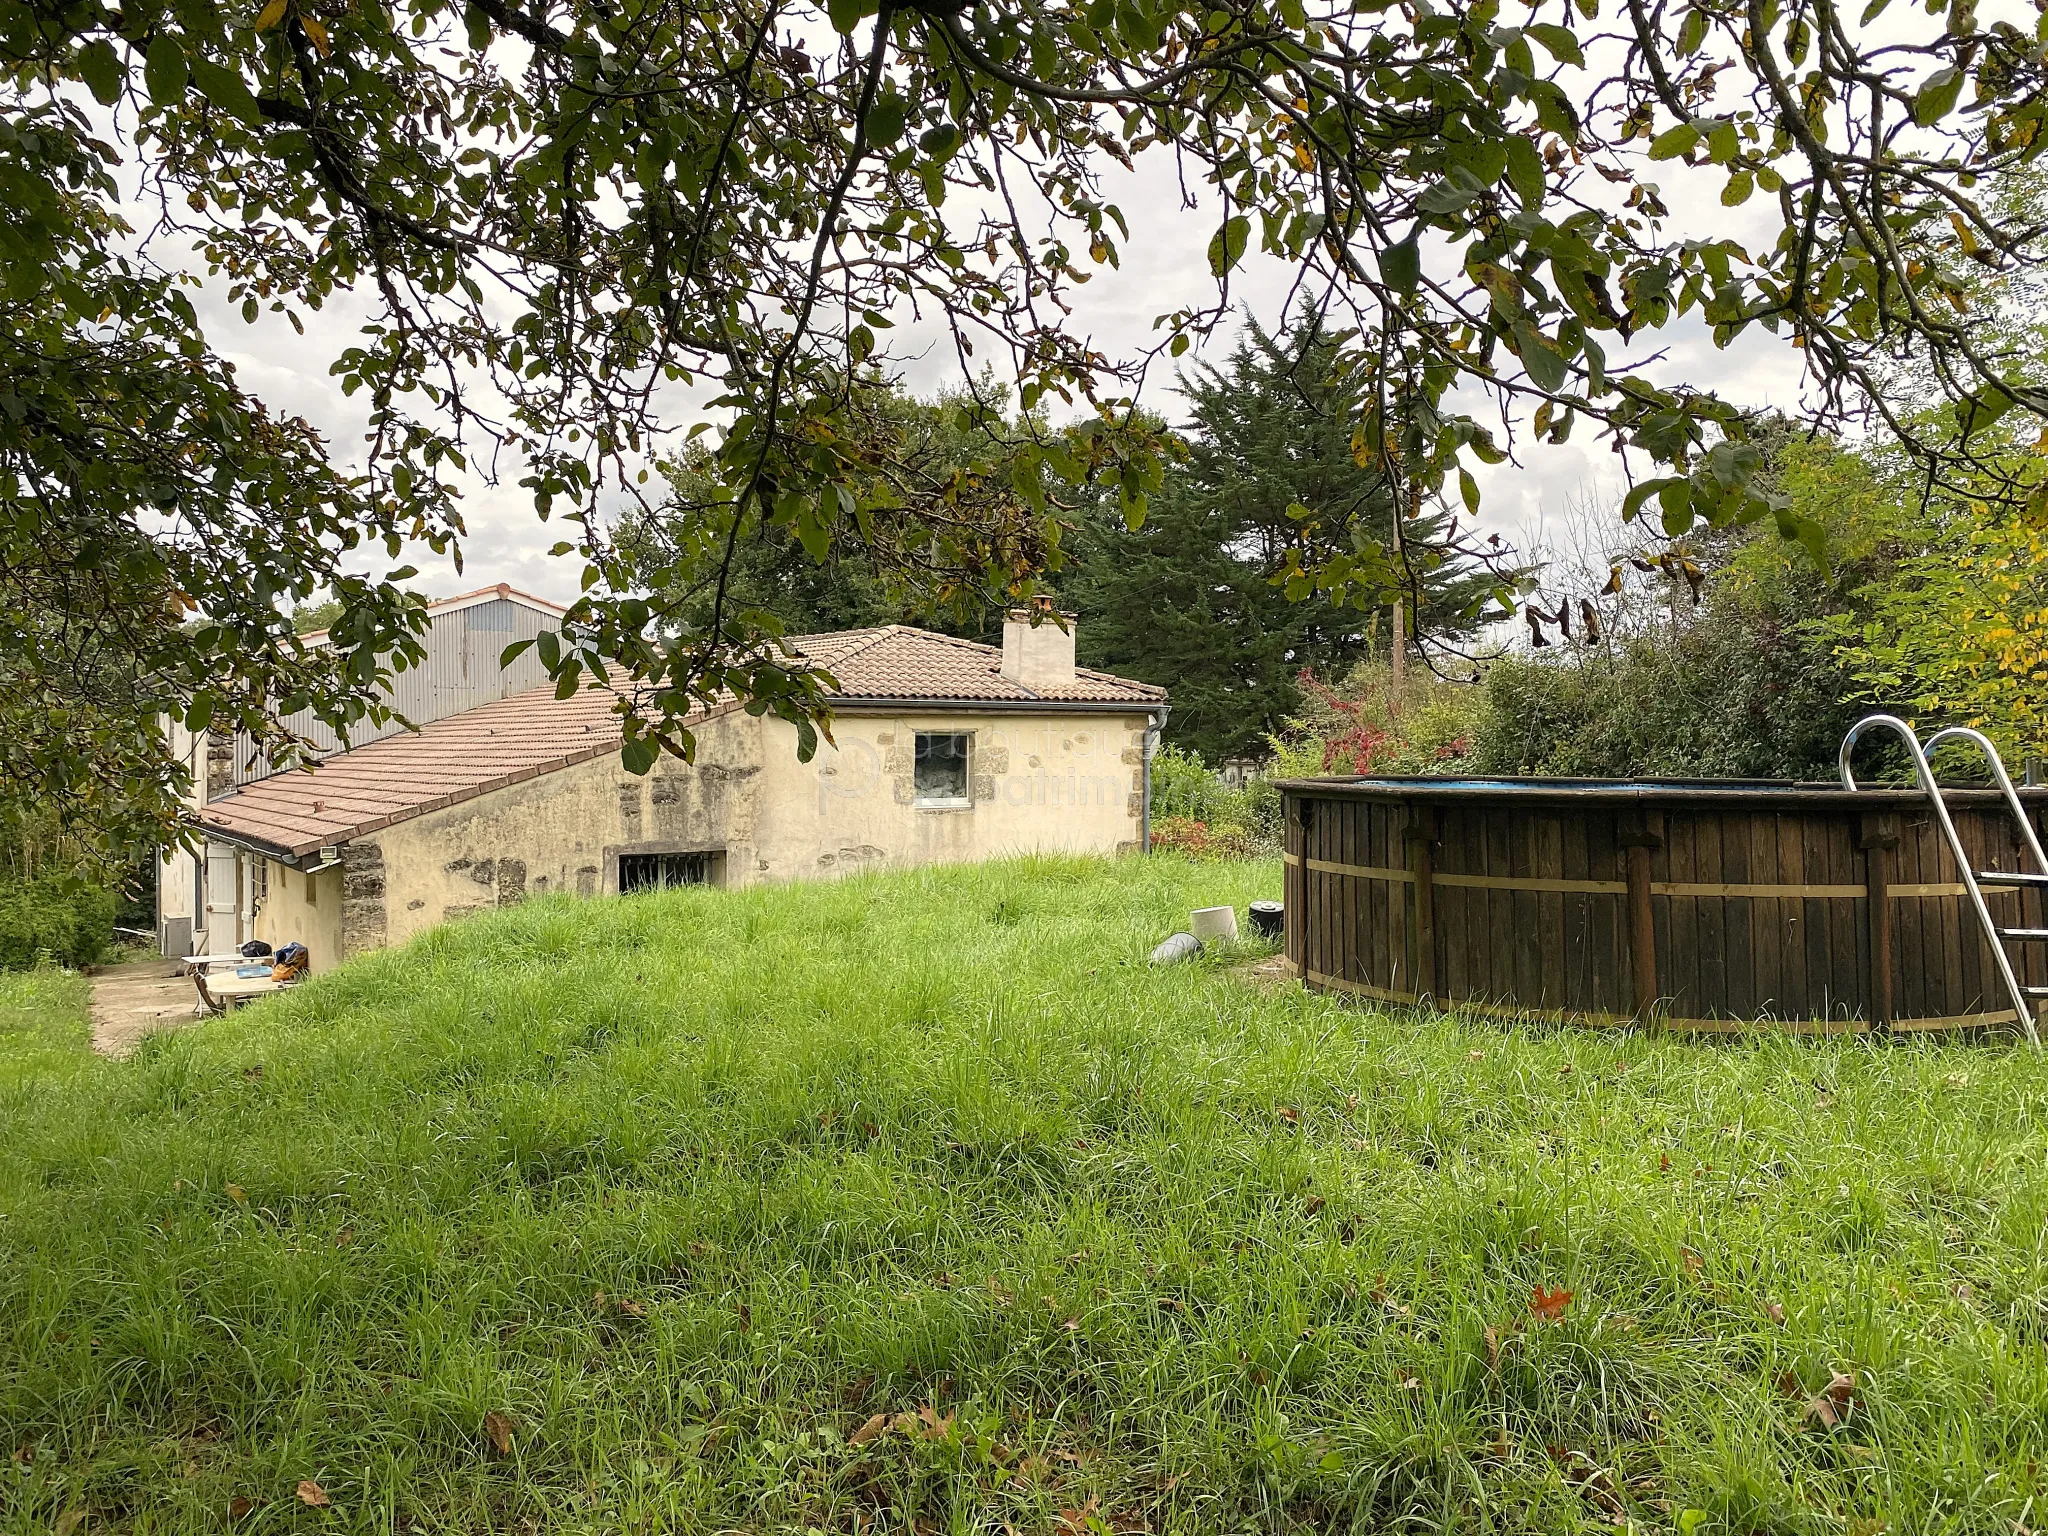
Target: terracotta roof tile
column 357, row 792
column 898, row 662
column 401, row 776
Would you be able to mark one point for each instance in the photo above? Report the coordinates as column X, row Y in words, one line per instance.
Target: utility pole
column 1400, row 655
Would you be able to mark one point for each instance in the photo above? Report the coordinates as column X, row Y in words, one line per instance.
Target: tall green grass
column 674, row 1195
column 44, row 1025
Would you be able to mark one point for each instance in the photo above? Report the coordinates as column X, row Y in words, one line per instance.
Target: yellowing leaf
column 318, row 34
column 272, row 14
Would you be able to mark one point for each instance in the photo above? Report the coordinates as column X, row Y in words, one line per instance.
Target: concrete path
column 129, row 1001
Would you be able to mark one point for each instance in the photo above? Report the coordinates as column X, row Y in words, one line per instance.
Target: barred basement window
column 942, row 768
column 655, row 871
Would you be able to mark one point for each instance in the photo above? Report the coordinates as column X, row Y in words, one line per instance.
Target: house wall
column 1069, row 783
column 560, row 831
column 300, row 908
column 1040, row 783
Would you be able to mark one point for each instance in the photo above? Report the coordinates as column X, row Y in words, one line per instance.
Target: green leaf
column 846, row 14
column 226, row 89
column 1736, row 193
column 1525, row 172
column 886, row 118
column 1559, row 42
column 1468, row 488
column 637, row 754
column 1227, row 248
column 1541, row 356
column 1673, row 142
column 1632, row 503
column 1450, row 194
column 1401, row 265
column 939, row 141
column 163, row 70
column 1675, row 499
column 1937, row 96
column 100, row 68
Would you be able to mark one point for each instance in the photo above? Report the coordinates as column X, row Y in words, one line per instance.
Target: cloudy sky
column 1164, row 267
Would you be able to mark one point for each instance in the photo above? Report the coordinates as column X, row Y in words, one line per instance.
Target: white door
column 223, row 899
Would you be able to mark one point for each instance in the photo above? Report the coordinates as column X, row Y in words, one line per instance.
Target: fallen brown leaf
column 1078, row 1519
column 1692, row 1261
column 1776, row 1313
column 234, row 1193
column 311, row 1493
column 68, row 1522
column 1288, row 1113
column 252, row 1073
column 631, row 1308
column 936, row 1425
column 1549, row 1305
column 876, row 1426
column 1834, row 1403
column 499, row 1428
column 1664, row 1162
column 239, row 1507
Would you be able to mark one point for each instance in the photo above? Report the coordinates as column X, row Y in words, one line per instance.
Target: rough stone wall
column 561, row 831
column 1052, row 782
column 363, row 924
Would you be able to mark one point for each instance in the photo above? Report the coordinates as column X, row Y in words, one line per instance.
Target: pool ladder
column 1974, row 880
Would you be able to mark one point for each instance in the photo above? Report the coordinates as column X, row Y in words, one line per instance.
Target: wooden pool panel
column 1704, row 906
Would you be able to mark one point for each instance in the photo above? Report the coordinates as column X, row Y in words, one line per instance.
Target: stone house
column 943, row 750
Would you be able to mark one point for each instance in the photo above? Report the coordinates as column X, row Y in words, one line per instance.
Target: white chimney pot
column 1039, row 656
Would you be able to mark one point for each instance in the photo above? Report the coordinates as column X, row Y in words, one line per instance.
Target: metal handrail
column 2003, row 779
column 1924, row 772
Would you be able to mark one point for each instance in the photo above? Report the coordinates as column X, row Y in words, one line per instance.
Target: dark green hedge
column 53, row 918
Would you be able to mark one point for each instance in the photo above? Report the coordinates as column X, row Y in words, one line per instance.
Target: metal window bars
column 1973, row 880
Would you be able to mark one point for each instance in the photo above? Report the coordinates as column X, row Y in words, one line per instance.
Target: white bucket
column 1214, row 925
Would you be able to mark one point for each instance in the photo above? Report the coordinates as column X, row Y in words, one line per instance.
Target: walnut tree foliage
column 582, row 226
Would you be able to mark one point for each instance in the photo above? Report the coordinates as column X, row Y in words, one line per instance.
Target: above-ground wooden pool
column 1703, row 905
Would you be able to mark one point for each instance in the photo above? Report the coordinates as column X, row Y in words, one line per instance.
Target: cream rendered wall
column 301, row 908
column 1040, row 783
column 560, row 831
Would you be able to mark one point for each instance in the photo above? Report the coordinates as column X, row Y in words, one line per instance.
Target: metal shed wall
column 460, row 672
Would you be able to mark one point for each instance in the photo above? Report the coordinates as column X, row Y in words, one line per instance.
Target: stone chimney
column 1040, row 655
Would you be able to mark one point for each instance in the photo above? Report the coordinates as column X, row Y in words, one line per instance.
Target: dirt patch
column 1273, row 973
column 130, row 1001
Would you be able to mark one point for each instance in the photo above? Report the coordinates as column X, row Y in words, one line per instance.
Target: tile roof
column 898, row 662
column 361, row 791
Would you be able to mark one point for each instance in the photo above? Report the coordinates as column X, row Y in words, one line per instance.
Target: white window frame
column 923, row 802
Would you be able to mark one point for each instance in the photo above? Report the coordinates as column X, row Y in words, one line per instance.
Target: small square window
column 942, row 767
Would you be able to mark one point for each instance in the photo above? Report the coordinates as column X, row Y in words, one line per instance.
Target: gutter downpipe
column 1155, row 725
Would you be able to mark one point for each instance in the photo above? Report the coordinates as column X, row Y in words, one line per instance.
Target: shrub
column 1196, row 813
column 54, row 918
column 1199, row 840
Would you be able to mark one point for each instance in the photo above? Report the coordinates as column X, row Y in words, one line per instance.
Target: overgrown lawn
column 919, row 1203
